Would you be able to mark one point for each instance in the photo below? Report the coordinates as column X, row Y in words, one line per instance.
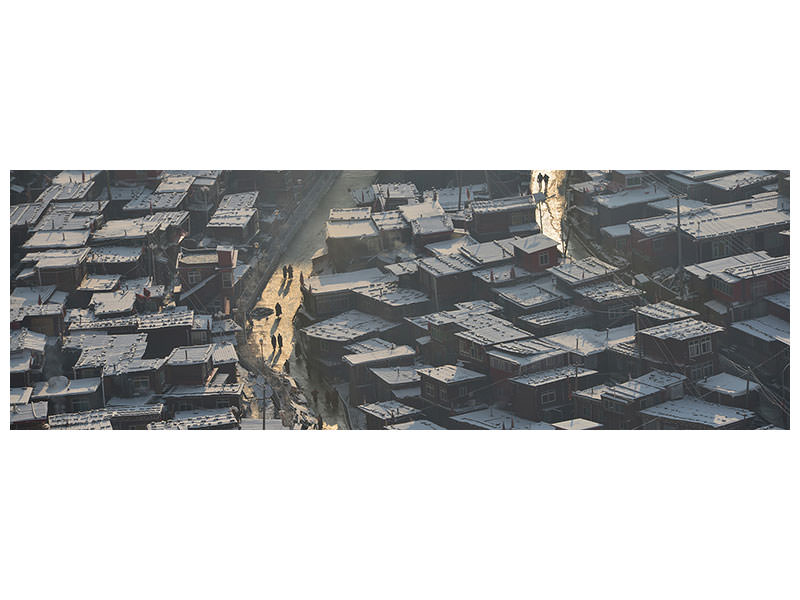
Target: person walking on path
column 291, row 272
column 546, row 180
column 284, row 271
column 539, row 178
column 274, row 344
column 278, row 310
column 280, row 342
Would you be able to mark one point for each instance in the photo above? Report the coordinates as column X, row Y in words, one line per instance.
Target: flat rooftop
column 713, row 267
column 353, row 280
column 418, row 425
column 533, row 243
column 768, row 328
column 391, row 294
column 584, row 270
column 736, row 180
column 482, row 207
column 693, row 410
column 607, row 291
column 378, row 355
column 552, row 376
column 526, row 295
column 664, row 311
column 641, row 195
column 499, row 419
column 493, row 334
column 586, row 342
column 728, row 385
column 451, row 374
column 349, row 325
column 759, row 212
column 682, row 330
column 389, row 409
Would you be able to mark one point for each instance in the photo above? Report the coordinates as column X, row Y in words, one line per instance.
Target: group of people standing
column 540, row 178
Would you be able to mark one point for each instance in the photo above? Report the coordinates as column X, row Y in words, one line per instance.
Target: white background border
column 402, row 85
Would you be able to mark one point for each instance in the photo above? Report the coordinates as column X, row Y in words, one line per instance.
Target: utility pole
column 680, row 248
column 264, row 407
column 458, row 181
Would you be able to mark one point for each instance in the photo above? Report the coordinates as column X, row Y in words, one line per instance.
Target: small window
column 193, row 277
column 544, row 258
column 140, row 384
column 462, row 391
column 79, row 405
column 708, row 369
column 658, row 245
column 443, row 395
column 429, row 390
column 548, row 397
column 227, row 279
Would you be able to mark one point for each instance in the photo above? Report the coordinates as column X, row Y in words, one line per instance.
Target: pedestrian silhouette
column 291, row 272
column 546, row 180
column 280, row 341
column 284, row 271
column 278, row 310
column 274, row 343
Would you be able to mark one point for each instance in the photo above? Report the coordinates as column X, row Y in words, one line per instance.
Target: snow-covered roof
column 57, row 239
column 493, row 334
column 703, row 175
column 451, row 246
column 158, row 201
column 490, row 252
column 389, row 409
column 482, row 207
column 350, row 214
column 418, row 425
column 586, row 342
column 670, row 205
column 66, row 191
column 239, row 200
column 533, row 243
column 115, row 254
column 27, row 215
column 526, row 295
column 606, row 291
column 712, row 267
column 25, row 339
column 552, row 375
column 728, row 385
column 101, row 418
column 446, row 265
column 584, row 270
column 450, row 374
column 736, row 180
column 431, row 225
column 767, row 266
column 496, row 418
column 174, row 183
column 339, row 282
column 525, row 352
column 399, row 375
column 28, row 296
column 389, row 220
column 232, row 217
column 20, row 395
column 18, row 313
column 684, row 329
column 198, row 419
column 640, row 195
column 351, row 229
column 448, row 197
column 768, row 328
column 32, row 411
column 759, row 212
column 781, row 299
column 109, row 351
column 391, row 294
column 664, row 311
column 420, row 210
column 190, row 355
column 693, row 410
column 61, row 386
column 99, row 283
column 501, row 273
column 576, row 424
column 224, row 353
column 649, row 384
column 348, row 326
column 616, row 231
column 378, row 355
column 199, row 391
column 109, row 303
column 408, row 267
column 369, row 345
column 557, row 315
